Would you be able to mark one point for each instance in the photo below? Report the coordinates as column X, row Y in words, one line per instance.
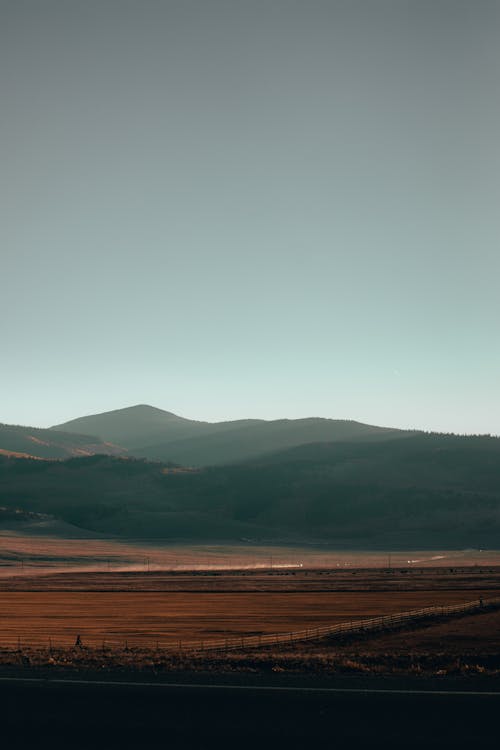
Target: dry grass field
column 135, row 620
column 40, row 552
column 144, row 618
column 132, row 604
column 269, row 581
column 146, row 610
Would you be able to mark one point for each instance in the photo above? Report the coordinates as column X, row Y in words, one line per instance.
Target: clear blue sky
column 259, row 208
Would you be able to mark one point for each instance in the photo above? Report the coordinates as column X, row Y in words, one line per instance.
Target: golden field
column 165, row 617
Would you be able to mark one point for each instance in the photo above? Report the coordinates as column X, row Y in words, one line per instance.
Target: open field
column 37, row 551
column 467, row 646
column 135, row 620
column 136, row 599
column 145, row 618
column 267, row 581
column 146, row 610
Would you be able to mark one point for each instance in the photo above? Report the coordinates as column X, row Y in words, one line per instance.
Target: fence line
column 343, row 628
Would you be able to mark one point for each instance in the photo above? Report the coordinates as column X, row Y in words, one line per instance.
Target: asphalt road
column 39, row 713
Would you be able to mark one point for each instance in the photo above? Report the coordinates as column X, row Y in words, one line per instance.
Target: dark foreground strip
column 251, row 688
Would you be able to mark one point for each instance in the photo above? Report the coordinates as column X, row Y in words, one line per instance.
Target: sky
column 251, row 208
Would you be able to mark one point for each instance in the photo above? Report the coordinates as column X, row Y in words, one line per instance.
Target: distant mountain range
column 145, row 431
column 305, row 480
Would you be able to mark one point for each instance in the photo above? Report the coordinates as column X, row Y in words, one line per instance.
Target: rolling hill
column 426, row 491
column 160, row 435
column 40, row 443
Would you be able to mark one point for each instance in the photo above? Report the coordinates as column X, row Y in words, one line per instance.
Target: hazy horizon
column 264, row 209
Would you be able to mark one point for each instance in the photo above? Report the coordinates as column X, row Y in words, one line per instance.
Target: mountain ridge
column 153, row 433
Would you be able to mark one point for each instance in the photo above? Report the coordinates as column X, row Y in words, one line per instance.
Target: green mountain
column 425, row 491
column 39, row 443
column 160, row 435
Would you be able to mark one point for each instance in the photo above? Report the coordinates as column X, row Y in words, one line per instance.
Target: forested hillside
column 427, row 490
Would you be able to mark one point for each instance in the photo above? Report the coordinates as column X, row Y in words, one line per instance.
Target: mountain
column 40, row 443
column 427, row 491
column 241, row 442
column 160, row 435
column 134, row 426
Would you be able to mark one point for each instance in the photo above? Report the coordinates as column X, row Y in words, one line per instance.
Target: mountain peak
column 142, row 409
column 137, row 411
column 128, row 426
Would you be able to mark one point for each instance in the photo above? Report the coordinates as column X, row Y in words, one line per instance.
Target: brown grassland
column 148, row 621
column 36, row 550
column 145, row 618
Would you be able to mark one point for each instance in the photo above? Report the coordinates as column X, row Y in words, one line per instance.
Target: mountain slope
column 40, row 443
column 141, row 425
column 160, row 435
column 425, row 491
column 240, row 443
